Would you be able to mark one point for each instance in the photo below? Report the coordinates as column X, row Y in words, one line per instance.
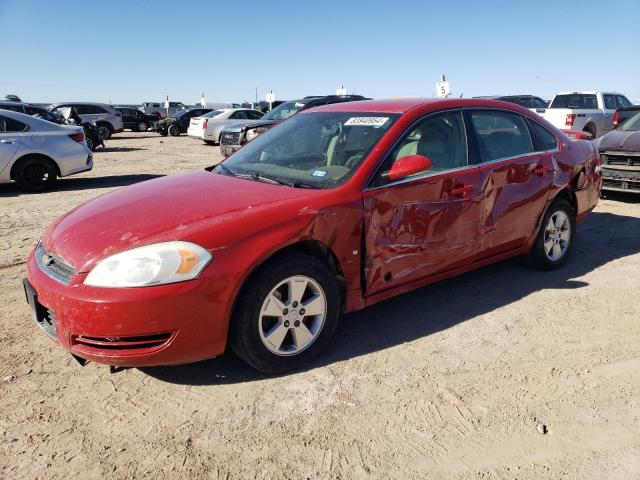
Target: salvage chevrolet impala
column 330, row 211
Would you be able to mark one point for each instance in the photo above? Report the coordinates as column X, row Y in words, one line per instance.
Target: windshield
column 632, row 124
column 317, row 150
column 212, row 114
column 284, row 110
column 577, row 101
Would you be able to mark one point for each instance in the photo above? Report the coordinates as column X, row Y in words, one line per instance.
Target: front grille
column 621, row 185
column 620, row 159
column 131, row 343
column 632, row 175
column 230, row 138
column 52, row 265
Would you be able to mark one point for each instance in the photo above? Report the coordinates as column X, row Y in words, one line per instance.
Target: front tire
column 35, row 174
column 286, row 315
column 142, row 127
column 554, row 242
column 174, row 130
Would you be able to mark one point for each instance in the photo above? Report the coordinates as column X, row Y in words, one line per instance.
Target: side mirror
column 409, row 165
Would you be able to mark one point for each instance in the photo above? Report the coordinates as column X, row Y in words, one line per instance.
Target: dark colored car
column 234, row 136
column 533, row 103
column 620, row 156
column 179, row 122
column 331, row 211
column 623, row 114
column 136, row 120
column 33, row 110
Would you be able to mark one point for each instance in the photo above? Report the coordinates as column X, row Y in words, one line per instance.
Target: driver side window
column 440, row 137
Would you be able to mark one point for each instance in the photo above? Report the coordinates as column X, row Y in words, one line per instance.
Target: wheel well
column 569, row 196
column 590, row 127
column 313, row 248
column 36, row 155
column 106, row 124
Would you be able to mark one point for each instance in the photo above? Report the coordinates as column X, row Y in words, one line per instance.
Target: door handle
column 8, row 141
column 461, row 190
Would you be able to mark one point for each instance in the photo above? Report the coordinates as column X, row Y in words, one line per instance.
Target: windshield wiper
column 222, row 166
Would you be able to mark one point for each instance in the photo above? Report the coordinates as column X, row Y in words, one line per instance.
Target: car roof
column 402, row 105
column 588, row 92
column 498, row 97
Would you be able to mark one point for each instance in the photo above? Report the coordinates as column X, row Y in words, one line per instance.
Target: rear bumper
column 197, row 134
column 135, row 327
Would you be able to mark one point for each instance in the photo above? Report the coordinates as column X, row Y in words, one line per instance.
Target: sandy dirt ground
column 501, row 373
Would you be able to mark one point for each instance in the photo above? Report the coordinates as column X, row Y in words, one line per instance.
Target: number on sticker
column 366, row 121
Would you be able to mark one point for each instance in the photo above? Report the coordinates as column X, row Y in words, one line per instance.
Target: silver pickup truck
column 587, row 111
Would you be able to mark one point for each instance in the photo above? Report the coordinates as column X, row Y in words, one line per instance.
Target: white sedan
column 34, row 152
column 209, row 127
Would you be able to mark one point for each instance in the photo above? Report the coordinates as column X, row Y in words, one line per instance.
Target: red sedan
column 333, row 210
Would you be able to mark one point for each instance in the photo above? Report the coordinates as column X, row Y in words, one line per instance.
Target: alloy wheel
column 292, row 315
column 557, row 236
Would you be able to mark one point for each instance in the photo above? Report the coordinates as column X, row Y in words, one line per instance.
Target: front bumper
column 227, row 150
column 134, row 327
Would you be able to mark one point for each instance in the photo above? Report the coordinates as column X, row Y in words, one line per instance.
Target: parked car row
column 234, row 136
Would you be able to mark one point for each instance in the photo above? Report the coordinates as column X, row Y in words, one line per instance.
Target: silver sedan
column 209, row 127
column 35, row 152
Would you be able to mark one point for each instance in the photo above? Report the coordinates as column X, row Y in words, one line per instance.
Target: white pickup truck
column 587, row 111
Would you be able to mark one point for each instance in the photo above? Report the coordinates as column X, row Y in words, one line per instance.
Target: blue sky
column 129, row 51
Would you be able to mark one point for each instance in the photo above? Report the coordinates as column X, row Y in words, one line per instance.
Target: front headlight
column 251, row 134
column 155, row 264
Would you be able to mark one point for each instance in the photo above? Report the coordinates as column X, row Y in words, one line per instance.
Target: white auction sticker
column 366, row 121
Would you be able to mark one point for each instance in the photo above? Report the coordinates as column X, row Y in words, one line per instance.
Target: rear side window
column 95, row 109
column 545, row 139
column 501, row 134
column 9, row 125
column 609, row 102
column 538, row 103
column 240, row 115
column 34, row 111
column 13, row 108
column 576, row 101
column 254, row 115
column 81, row 109
column 622, row 101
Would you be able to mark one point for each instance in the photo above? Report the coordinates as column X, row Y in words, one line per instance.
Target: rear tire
column 209, row 142
column 554, row 242
column 163, row 132
column 105, row 131
column 299, row 335
column 34, row 174
column 142, row 127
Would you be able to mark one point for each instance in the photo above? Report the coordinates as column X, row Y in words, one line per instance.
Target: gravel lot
column 500, row 373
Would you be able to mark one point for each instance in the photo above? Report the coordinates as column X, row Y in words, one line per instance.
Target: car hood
column 203, row 207
column 240, row 127
column 619, row 140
